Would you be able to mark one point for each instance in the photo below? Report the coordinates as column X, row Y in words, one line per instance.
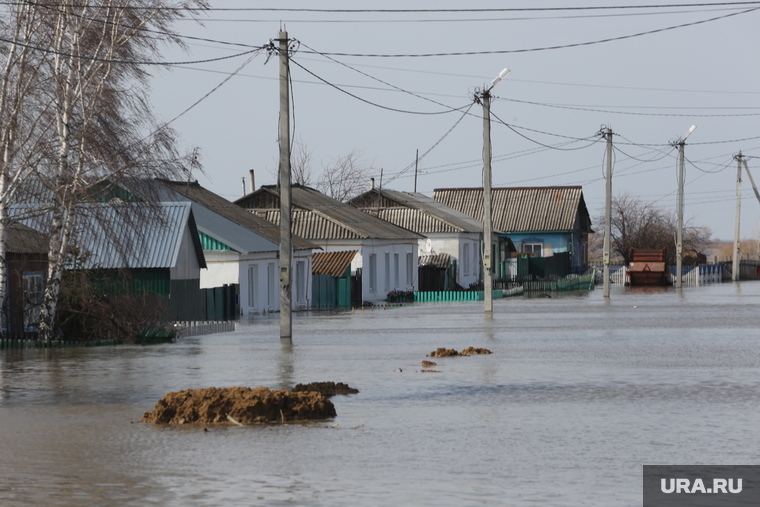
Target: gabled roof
column 415, row 212
column 526, row 209
column 332, row 263
column 222, row 220
column 320, row 217
column 130, row 235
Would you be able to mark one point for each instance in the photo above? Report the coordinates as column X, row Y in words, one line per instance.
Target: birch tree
column 23, row 130
column 93, row 59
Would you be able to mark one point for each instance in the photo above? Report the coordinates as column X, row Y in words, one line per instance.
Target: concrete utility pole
column 608, row 214
column 416, row 163
column 735, row 267
column 487, row 223
column 679, row 239
column 485, row 97
column 286, row 316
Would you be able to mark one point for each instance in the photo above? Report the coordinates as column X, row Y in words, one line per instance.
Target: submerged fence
column 185, row 329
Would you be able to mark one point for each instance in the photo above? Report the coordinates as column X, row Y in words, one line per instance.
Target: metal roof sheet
column 332, row 263
column 129, row 235
column 415, row 211
column 211, row 221
column 529, row 209
column 322, row 217
column 440, row 261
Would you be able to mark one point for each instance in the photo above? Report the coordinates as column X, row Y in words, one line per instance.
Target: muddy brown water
column 577, row 395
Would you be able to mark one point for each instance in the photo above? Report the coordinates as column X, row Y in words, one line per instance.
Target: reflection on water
column 578, row 394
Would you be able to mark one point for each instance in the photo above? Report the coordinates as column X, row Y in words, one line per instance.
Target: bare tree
column 345, row 177
column 92, row 90
column 639, row 224
column 23, row 130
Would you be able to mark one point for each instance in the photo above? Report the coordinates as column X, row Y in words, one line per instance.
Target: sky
column 649, row 70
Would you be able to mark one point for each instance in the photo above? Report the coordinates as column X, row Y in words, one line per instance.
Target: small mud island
column 239, row 405
column 327, row 389
column 469, row 351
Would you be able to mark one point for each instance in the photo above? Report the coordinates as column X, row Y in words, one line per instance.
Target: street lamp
column 485, row 98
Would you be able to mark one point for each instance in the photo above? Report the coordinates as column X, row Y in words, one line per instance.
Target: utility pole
column 286, row 316
column 487, row 224
column 608, row 214
column 679, row 234
column 416, row 163
column 735, row 267
column 485, row 97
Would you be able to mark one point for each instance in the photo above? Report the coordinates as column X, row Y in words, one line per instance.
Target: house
column 450, row 251
column 26, row 258
column 541, row 221
column 242, row 248
column 386, row 254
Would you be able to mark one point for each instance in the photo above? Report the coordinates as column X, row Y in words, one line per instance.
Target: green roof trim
column 209, row 243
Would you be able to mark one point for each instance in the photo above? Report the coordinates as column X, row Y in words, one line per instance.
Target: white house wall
column 379, row 247
column 453, row 245
column 259, row 278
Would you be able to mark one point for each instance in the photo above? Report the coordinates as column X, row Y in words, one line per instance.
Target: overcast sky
column 649, row 87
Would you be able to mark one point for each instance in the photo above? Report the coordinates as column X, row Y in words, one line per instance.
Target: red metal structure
column 648, row 267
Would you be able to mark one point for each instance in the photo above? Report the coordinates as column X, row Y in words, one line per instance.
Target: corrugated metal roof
column 25, row 240
column 440, row 261
column 117, row 240
column 332, row 263
column 216, row 206
column 130, row 235
column 322, row 217
column 415, row 212
column 530, row 209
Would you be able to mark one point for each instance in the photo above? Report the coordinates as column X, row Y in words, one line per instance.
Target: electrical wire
column 630, row 113
column 451, row 110
column 417, row 159
column 129, row 62
column 512, row 128
column 545, row 48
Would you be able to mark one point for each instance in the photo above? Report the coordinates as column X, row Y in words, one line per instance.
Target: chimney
column 252, row 180
column 372, row 183
column 243, row 186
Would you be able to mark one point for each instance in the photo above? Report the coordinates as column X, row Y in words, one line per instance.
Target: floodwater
column 578, row 394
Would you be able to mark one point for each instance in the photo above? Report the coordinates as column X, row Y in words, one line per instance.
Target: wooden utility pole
column 286, row 316
column 608, row 214
column 735, row 267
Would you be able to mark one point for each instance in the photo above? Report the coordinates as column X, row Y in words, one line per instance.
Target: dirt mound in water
column 429, row 363
column 472, row 351
column 442, row 352
column 327, row 389
column 243, row 404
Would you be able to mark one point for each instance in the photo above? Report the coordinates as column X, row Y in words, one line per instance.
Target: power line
column 374, row 103
column 545, row 48
column 129, row 62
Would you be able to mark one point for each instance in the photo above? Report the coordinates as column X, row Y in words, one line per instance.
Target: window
column 270, row 285
column 410, row 269
column 533, row 248
column 33, row 284
column 466, row 259
column 395, row 271
column 387, row 272
column 301, row 282
column 253, row 284
column 373, row 273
